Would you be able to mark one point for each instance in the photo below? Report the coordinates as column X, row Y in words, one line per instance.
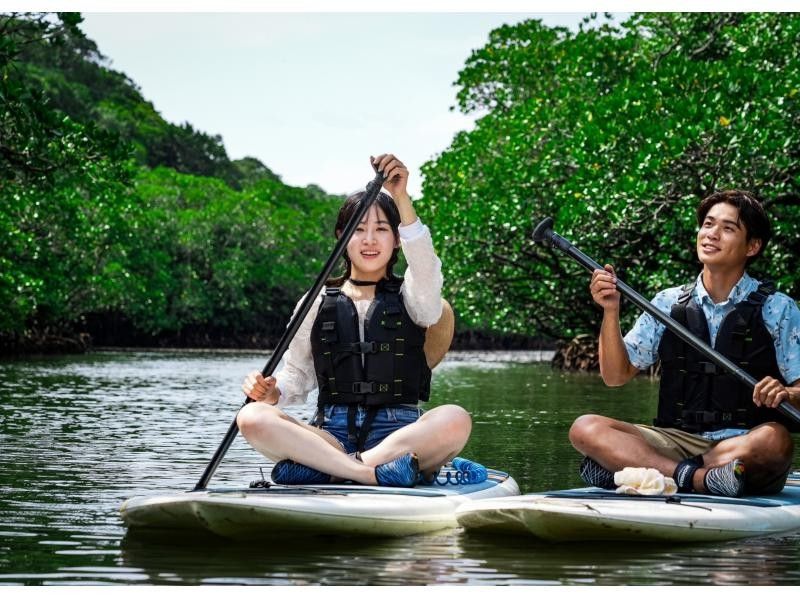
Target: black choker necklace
column 362, row 283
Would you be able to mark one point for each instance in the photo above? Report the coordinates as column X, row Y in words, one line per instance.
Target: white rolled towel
column 644, row 480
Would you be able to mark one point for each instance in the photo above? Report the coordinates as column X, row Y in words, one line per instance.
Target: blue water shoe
column 291, row 473
column 400, row 473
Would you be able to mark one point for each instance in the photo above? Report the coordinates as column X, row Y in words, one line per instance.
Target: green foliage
column 62, row 198
column 108, row 213
column 251, row 171
column 616, row 132
column 212, row 256
column 74, row 75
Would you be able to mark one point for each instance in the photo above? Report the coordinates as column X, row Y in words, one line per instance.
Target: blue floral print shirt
column 780, row 312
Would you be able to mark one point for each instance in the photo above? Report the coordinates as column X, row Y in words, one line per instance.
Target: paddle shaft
column 555, row 240
column 373, row 188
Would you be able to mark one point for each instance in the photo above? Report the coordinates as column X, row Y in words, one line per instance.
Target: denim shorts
column 387, row 420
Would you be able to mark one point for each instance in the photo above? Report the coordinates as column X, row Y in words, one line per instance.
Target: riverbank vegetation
column 617, row 132
column 126, row 229
column 121, row 228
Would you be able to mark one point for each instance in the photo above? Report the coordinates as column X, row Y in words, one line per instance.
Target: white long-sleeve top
column 422, row 297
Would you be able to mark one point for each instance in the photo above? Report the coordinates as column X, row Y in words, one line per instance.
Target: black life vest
column 695, row 395
column 387, row 368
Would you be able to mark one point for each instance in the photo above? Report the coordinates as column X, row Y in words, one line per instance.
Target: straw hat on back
column 439, row 336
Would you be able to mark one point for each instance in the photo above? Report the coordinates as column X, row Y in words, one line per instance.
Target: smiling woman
column 366, row 348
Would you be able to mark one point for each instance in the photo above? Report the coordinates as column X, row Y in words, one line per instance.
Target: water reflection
column 762, row 561
column 81, row 434
column 324, row 560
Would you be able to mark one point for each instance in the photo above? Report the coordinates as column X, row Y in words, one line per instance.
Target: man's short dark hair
column 751, row 214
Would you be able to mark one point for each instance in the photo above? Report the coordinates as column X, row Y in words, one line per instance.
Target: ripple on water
column 104, row 427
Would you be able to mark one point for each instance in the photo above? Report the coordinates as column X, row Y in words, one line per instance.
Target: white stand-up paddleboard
column 594, row 514
column 346, row 509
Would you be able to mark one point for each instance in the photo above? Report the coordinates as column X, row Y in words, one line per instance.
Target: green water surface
column 80, row 434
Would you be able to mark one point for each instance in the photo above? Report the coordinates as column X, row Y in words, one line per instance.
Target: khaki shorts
column 679, row 445
column 675, row 444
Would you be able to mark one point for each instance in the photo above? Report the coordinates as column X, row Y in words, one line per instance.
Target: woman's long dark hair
column 350, row 207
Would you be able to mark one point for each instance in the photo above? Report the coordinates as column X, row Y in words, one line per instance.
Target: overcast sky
column 311, row 95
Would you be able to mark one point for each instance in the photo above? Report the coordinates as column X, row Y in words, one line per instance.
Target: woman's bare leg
column 436, row 437
column 279, row 436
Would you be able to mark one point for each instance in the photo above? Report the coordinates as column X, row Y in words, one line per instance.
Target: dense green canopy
column 115, row 221
column 616, row 132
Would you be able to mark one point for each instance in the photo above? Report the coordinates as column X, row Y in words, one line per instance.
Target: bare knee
column 770, row 441
column 256, row 416
column 458, row 422
column 586, row 429
column 452, row 424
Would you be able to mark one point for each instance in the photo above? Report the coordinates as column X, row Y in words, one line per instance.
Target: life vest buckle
column 363, row 388
column 368, row 347
column 709, row 417
column 700, row 417
column 706, row 367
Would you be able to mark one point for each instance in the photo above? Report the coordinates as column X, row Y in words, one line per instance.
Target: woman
column 361, row 345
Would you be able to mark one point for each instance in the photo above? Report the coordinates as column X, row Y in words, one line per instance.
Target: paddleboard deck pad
column 593, row 514
column 342, row 510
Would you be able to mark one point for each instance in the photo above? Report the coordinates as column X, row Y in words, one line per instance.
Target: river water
column 80, row 434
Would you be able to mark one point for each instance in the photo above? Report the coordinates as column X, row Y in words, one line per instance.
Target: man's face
column 722, row 238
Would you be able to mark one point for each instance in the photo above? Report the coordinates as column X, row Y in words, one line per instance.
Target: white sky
column 311, row 95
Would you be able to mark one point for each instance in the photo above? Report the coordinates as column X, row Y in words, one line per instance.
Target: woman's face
column 371, row 246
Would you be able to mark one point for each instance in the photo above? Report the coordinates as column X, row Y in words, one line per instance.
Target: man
column 712, row 434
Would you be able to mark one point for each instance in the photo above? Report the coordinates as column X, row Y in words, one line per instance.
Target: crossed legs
column 766, row 450
column 437, row 436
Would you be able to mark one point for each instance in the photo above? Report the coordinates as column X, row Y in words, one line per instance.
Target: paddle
column 544, row 235
column 373, row 188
